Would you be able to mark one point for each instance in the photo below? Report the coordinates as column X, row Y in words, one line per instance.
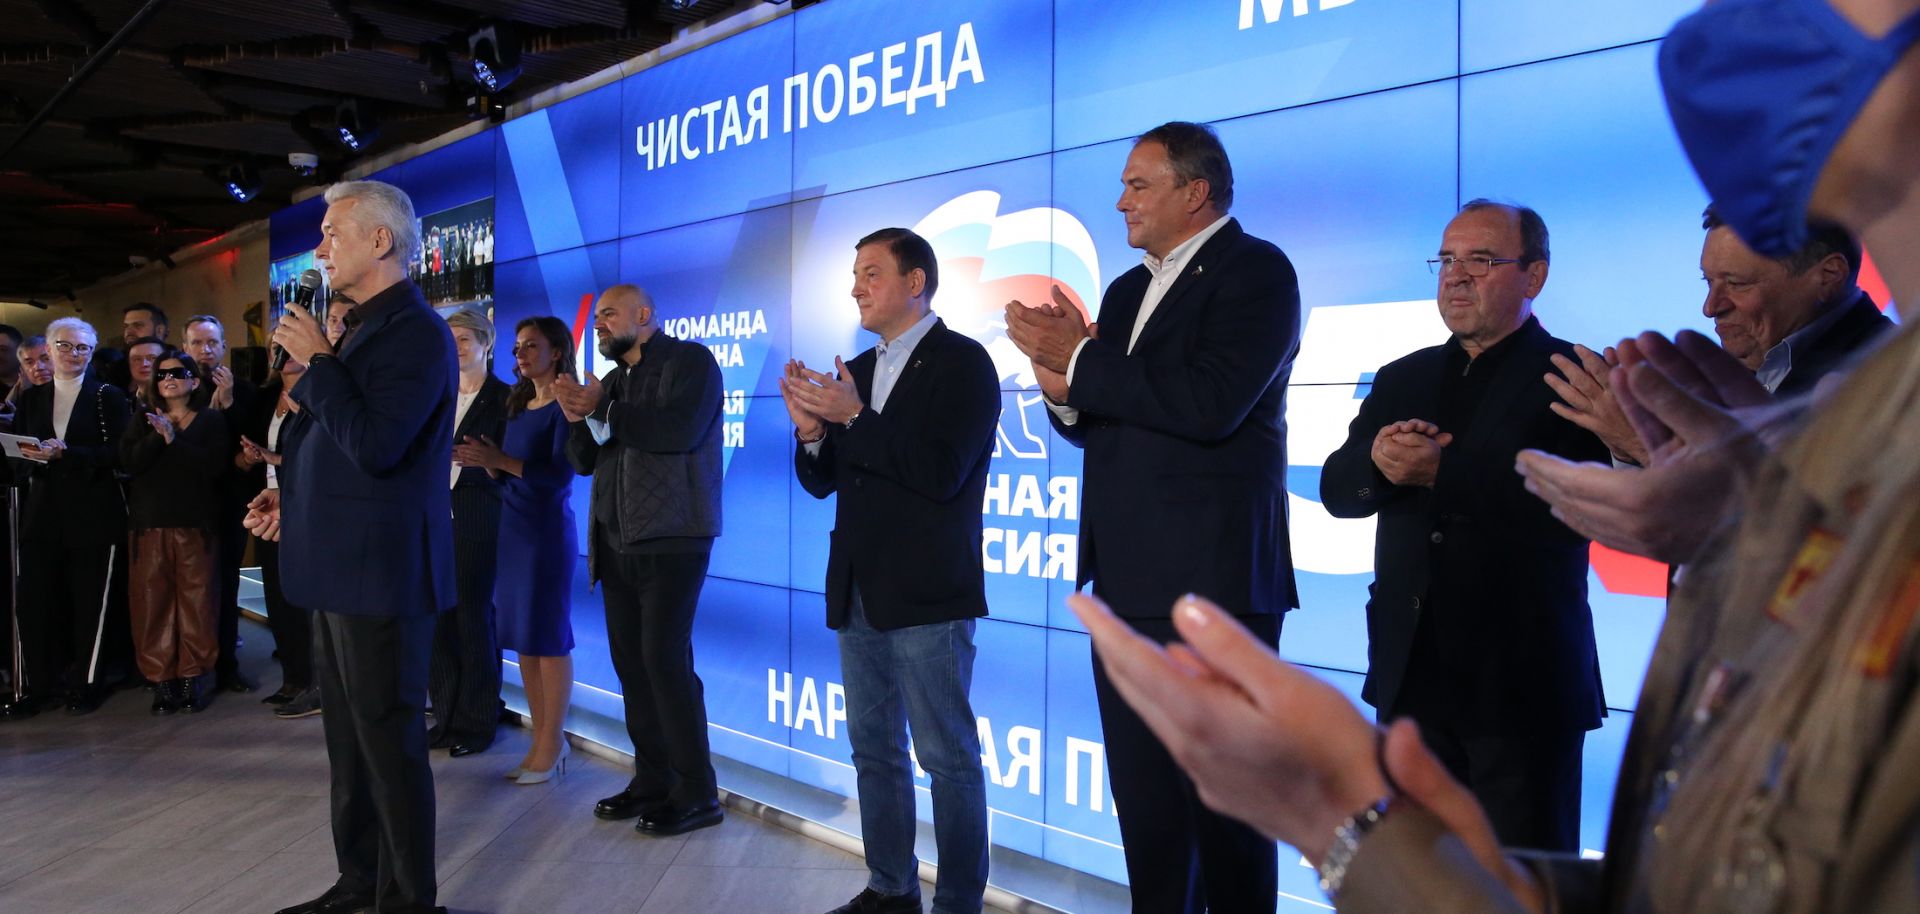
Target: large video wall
column 732, row 182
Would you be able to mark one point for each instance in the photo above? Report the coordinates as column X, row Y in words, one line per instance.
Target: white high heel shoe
column 559, row 769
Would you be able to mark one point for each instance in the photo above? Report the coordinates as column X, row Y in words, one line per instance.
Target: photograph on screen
column 455, row 264
column 283, row 279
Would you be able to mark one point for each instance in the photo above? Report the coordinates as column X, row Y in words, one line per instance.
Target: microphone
column 302, row 296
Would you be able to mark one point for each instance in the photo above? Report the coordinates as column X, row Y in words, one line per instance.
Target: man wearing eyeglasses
column 71, row 530
column 1478, row 625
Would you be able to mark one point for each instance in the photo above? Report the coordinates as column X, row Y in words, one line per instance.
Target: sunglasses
column 172, row 374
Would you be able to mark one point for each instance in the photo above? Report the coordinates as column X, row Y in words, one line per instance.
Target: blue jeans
column 916, row 676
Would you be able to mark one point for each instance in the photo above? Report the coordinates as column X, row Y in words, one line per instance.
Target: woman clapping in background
column 174, row 453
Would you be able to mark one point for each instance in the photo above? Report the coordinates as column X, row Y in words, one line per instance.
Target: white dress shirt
column 1166, row 270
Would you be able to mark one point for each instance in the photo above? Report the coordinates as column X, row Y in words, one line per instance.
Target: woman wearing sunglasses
column 174, row 454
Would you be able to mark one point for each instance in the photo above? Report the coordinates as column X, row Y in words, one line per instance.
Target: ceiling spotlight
column 242, row 181
column 495, row 50
column 355, row 126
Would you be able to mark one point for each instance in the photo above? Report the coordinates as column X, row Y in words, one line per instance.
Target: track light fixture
column 242, row 181
column 495, row 50
column 485, row 107
column 355, row 126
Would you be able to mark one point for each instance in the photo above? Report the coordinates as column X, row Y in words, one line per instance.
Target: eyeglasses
column 1475, row 266
column 172, row 374
column 65, row 348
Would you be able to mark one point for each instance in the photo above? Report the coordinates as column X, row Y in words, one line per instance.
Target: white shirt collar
column 1183, row 252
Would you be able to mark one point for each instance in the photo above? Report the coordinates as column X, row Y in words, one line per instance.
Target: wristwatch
column 849, row 423
column 1346, row 843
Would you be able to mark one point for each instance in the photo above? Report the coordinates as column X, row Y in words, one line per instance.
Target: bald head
column 623, row 319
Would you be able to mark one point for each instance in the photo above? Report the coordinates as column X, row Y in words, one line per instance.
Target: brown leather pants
column 171, row 592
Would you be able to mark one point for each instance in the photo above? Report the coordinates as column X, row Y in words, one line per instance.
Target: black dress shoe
column 872, row 902
column 236, row 681
column 668, row 821
column 26, row 707
column 628, row 803
column 335, row 900
column 463, row 749
column 281, row 697
column 85, row 700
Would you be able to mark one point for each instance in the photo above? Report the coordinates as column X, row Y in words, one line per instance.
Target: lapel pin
column 916, row 364
column 1199, row 268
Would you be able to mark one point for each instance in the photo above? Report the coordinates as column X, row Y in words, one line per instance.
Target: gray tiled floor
column 226, row 811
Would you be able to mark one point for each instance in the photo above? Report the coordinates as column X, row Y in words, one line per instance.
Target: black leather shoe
column 281, row 697
column 872, row 902
column 335, row 900
column 86, row 700
column 236, row 681
column 628, row 803
column 668, row 822
column 26, row 707
column 463, row 749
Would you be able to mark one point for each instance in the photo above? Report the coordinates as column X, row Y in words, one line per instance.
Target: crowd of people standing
column 131, row 544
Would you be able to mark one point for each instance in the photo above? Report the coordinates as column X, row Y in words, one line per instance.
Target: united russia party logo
column 989, row 258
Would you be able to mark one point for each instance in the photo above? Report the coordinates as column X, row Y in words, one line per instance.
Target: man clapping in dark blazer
column 1180, row 404
column 904, row 433
column 1478, row 627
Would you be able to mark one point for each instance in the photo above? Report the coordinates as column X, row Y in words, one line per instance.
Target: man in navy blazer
column 904, row 434
column 1478, row 626
column 1180, row 404
column 364, row 519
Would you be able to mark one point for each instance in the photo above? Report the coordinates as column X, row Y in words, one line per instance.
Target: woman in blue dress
column 534, row 592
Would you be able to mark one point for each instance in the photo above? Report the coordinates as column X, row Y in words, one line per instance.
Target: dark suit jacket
column 1516, row 615
column 236, row 485
column 911, row 481
column 1184, row 486
column 1860, row 325
column 366, row 520
column 476, row 495
column 75, row 500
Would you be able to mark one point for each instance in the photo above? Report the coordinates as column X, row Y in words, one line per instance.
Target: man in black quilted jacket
column 649, row 434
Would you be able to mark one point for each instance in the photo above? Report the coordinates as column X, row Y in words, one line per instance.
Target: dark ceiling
column 129, row 162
